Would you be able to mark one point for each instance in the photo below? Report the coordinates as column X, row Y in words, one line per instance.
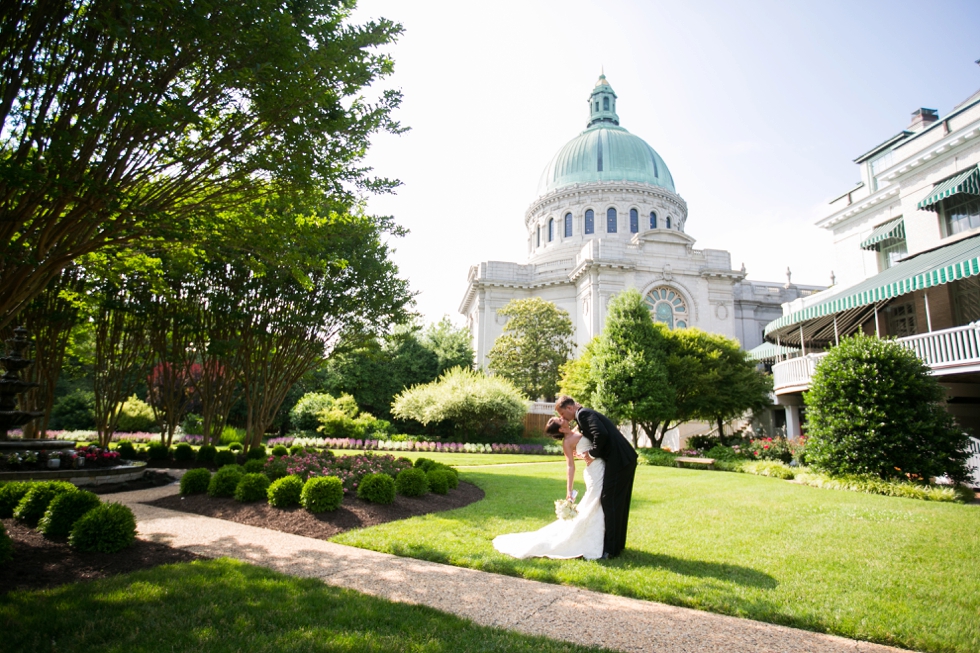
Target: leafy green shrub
column 721, row 452
column 230, row 434
column 107, row 528
column 476, row 405
column 279, row 451
column 135, row 416
column 431, row 465
column 74, row 412
column 257, row 453
column 254, row 466
column 6, row 546
column 304, row 415
column 770, row 449
column 193, row 424
column 224, row 481
column 425, row 464
column 377, row 488
column 252, row 487
column 195, row 481
column 874, row 409
column 657, row 457
column 411, row 482
column 126, row 450
column 340, row 419
column 206, row 454
column 773, row 468
column 64, row 510
column 235, row 446
column 322, row 493
column 35, row 503
column 224, row 457
column 275, row 468
column 296, row 450
column 183, row 452
column 891, row 488
column 158, row 451
column 10, row 495
column 285, row 492
column 438, row 480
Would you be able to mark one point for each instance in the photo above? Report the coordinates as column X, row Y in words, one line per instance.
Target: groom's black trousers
column 617, row 488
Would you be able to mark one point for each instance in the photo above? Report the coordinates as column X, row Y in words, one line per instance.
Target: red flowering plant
column 770, row 449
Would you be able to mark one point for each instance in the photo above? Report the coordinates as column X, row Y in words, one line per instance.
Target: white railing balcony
column 949, row 351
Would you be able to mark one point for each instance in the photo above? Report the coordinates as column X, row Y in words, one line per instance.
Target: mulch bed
column 353, row 512
column 40, row 563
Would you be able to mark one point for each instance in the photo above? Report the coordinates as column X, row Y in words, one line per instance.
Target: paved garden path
column 555, row 611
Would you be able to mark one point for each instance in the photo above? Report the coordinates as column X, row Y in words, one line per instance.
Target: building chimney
column 922, row 118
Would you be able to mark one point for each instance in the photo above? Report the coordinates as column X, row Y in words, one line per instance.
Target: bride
column 573, row 538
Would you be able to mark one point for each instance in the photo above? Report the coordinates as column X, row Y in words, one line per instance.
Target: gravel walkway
column 526, row 606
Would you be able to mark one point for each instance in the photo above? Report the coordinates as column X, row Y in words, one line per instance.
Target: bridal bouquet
column 565, row 509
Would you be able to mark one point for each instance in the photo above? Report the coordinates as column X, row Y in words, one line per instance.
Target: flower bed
column 349, row 469
column 410, row 445
column 88, row 457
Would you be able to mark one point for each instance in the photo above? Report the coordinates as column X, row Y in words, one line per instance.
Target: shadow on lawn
column 719, row 571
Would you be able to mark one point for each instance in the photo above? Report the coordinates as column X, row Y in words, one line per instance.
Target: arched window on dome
column 668, row 222
column 634, row 221
column 668, row 307
column 537, row 231
column 653, row 219
column 590, row 221
column 610, row 220
column 551, row 229
column 605, row 104
column 568, row 225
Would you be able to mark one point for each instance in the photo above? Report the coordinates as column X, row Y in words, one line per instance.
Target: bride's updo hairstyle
column 553, row 428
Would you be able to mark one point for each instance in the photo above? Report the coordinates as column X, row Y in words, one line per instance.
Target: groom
column 617, row 485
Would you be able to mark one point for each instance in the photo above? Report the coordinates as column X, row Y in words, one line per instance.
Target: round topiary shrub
column 411, row 482
column 35, row 503
column 275, row 469
column 279, row 451
column 252, row 487
column 158, row 451
column 64, row 510
column 285, row 492
column 126, row 450
column 6, row 546
column 195, row 481
column 424, row 464
column 874, row 409
column 225, row 457
column 438, row 480
column 322, row 493
column 235, row 446
column 206, row 454
column 11, row 493
column 452, row 476
column 257, row 453
column 183, row 452
column 296, row 450
column 254, row 466
column 107, row 528
column 377, row 488
column 224, row 481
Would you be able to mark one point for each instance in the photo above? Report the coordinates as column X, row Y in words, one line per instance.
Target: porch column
column 792, row 422
column 925, row 296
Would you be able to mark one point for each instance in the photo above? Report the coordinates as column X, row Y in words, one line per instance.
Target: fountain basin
column 83, row 476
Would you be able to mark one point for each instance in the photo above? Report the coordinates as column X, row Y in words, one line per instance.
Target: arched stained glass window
column 568, row 225
column 668, row 222
column 551, row 229
column 634, row 221
column 653, row 219
column 610, row 220
column 590, row 221
column 668, row 307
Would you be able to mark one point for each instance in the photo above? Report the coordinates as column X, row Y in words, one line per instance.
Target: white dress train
column 572, row 538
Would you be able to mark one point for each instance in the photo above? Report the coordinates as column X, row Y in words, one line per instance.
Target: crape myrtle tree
column 121, row 120
column 536, row 342
column 735, row 386
column 874, row 409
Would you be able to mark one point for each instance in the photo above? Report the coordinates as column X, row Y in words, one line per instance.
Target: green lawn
column 897, row 571
column 223, row 605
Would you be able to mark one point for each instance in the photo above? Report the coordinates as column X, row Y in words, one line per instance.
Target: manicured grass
column 462, row 459
column 224, row 605
column 891, row 570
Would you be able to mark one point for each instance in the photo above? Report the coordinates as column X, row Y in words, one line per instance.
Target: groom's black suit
column 617, row 485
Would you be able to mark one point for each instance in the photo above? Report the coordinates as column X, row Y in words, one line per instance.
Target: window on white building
column 668, row 222
column 960, row 213
column 568, row 225
column 537, row 242
column 966, row 300
column 667, row 306
column 610, row 220
column 551, row 229
column 891, row 254
column 590, row 221
column 653, row 219
column 876, row 165
column 634, row 221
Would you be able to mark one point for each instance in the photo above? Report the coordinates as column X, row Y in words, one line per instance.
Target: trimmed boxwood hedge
column 377, row 488
column 411, row 482
column 107, row 528
column 195, row 481
column 64, row 510
column 322, row 493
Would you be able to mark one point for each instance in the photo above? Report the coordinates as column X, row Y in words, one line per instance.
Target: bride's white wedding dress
column 572, row 538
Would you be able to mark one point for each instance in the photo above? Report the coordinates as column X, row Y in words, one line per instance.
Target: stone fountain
column 11, row 386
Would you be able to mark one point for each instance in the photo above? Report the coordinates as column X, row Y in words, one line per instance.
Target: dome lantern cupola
column 602, row 103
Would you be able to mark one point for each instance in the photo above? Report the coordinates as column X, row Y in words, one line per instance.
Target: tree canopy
column 124, row 120
column 536, row 342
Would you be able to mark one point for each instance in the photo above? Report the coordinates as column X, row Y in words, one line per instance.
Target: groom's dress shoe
column 605, row 556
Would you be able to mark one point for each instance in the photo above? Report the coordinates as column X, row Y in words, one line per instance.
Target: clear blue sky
column 758, row 109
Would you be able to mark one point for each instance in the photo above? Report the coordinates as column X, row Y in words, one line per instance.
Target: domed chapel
column 608, row 217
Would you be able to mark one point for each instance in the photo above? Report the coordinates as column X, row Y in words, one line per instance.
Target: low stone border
column 96, row 476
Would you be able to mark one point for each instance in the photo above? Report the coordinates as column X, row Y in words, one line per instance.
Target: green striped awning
column 770, row 352
column 967, row 181
column 935, row 267
column 891, row 230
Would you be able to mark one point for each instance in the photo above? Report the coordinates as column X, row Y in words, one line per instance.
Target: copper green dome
column 604, row 152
